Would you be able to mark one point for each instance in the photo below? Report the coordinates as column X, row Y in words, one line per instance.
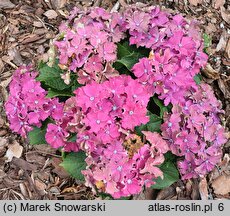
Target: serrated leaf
column 169, row 156
column 72, row 138
column 75, row 84
column 153, row 125
column 51, row 76
column 198, row 79
column 121, row 68
column 170, row 175
column 129, row 61
column 123, row 50
column 128, row 55
column 160, row 104
column 37, row 136
column 57, row 93
column 140, row 128
column 74, row 163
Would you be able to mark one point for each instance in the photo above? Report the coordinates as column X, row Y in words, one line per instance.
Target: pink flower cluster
column 114, row 172
column 25, row 105
column 118, row 102
column 193, row 131
column 65, row 124
column 100, row 112
column 176, row 55
column 89, row 43
column 104, row 116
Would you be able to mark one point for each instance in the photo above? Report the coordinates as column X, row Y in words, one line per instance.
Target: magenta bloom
column 138, row 21
column 55, row 136
column 185, row 45
column 156, row 141
column 78, row 45
column 98, row 38
column 56, row 109
column 142, row 69
column 96, row 121
column 119, row 168
column 136, row 38
column 107, row 51
column 115, row 152
column 25, row 105
column 109, row 133
column 134, row 115
column 88, row 96
column 93, row 64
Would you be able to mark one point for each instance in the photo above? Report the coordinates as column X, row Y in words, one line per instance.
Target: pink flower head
column 156, row 141
column 25, row 105
column 56, row 109
column 109, row 133
column 55, row 136
column 185, row 45
column 104, row 112
column 138, row 21
column 115, row 151
column 88, row 96
column 93, row 64
column 158, row 17
column 96, row 120
column 107, row 51
column 134, row 115
column 99, row 37
column 142, row 69
column 100, row 12
column 78, row 44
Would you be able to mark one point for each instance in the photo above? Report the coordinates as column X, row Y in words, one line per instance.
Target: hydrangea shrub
column 122, row 94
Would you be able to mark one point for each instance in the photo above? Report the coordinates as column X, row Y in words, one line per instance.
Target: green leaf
column 128, row 55
column 51, row 76
column 37, row 136
column 169, row 156
column 61, row 36
column 153, row 125
column 74, row 84
column 207, row 40
column 105, row 196
column 57, row 93
column 198, row 79
column 170, row 175
column 160, row 104
column 74, row 163
column 129, row 60
column 121, row 68
column 125, row 198
column 123, row 49
column 72, row 138
column 140, row 128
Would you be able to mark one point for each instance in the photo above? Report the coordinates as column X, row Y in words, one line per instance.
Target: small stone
column 3, row 132
column 51, row 14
